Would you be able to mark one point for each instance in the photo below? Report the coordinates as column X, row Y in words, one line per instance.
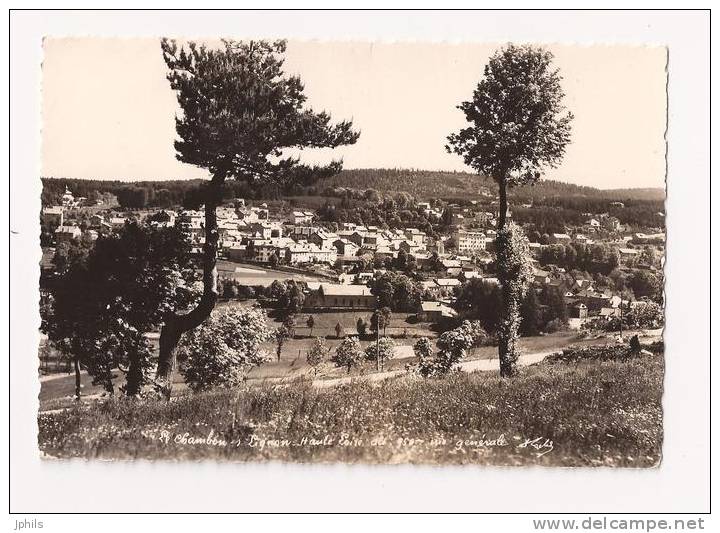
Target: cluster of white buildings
column 603, row 221
column 248, row 234
column 432, row 213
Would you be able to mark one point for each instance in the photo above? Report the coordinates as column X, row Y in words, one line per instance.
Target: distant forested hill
column 421, row 184
column 427, row 184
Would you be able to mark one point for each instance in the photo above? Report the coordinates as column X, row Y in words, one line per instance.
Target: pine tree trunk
column 176, row 324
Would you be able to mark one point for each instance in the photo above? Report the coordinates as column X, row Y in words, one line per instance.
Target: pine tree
column 239, row 110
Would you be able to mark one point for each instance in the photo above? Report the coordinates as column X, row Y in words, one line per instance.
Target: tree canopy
column 240, row 111
column 107, row 298
column 518, row 124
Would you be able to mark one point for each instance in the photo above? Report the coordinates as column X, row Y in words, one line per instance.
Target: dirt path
column 479, row 365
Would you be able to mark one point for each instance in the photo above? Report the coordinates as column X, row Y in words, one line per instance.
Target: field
column 57, row 390
column 587, row 413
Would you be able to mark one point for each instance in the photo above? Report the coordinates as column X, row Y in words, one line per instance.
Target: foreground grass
column 587, row 413
column 59, row 392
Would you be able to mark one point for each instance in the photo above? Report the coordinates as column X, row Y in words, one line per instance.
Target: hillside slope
column 438, row 184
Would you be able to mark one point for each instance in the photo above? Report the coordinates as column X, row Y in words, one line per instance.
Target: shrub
column 223, row 349
column 606, row 352
column 644, row 315
column 555, row 325
column 385, row 348
column 348, row 354
column 317, row 353
column 452, row 345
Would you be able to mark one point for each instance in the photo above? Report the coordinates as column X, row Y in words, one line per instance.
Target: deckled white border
column 680, row 484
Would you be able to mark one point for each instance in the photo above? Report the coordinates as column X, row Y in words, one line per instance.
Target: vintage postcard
column 352, row 252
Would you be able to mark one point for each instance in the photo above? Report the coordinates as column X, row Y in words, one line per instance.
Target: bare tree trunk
column 134, row 376
column 76, row 364
column 176, row 324
column 502, row 215
column 377, row 345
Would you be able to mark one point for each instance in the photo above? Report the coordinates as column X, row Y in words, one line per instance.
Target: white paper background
column 680, row 484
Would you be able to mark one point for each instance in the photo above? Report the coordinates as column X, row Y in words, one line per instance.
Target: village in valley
column 342, row 269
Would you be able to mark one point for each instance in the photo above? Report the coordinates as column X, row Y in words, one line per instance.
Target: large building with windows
column 469, row 242
column 336, row 296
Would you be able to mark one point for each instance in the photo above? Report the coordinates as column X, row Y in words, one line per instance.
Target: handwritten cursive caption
column 537, row 445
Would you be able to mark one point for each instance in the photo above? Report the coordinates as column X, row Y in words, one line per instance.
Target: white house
column 67, row 233
column 302, row 217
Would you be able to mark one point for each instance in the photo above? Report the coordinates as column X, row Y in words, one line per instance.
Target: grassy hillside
column 585, row 413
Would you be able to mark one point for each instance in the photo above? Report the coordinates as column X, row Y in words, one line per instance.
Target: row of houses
column 581, row 298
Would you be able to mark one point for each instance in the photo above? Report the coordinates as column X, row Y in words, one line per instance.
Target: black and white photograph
column 252, row 258
column 260, row 249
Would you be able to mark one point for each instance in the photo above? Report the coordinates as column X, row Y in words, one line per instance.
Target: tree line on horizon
column 422, row 184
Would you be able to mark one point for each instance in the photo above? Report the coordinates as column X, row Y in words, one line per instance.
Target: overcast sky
column 108, row 111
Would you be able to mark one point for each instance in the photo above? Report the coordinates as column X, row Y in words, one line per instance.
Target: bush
column 348, row 354
column 317, row 353
column 222, row 350
column 644, row 315
column 385, row 348
column 452, row 348
column 607, row 352
column 555, row 325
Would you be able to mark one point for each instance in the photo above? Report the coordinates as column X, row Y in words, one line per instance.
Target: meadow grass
column 584, row 413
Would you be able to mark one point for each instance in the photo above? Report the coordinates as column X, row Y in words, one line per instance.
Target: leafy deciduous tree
column 380, row 351
column 361, row 326
column 112, row 294
column 530, row 314
column 380, row 319
column 281, row 335
column 348, row 354
column 317, row 353
column 224, row 348
column 518, row 128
